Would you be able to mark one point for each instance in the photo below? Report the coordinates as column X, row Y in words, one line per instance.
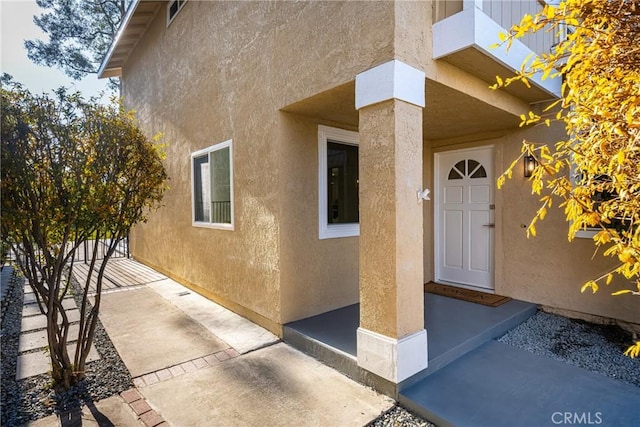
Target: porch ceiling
column 477, row 63
column 448, row 112
column 334, row 105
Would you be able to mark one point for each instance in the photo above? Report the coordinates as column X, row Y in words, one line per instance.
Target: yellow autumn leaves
column 595, row 173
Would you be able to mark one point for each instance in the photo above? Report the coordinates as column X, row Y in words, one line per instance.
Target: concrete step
column 331, row 356
column 329, row 337
column 454, row 328
column 500, row 385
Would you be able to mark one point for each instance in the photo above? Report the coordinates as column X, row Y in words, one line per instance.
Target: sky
column 16, row 26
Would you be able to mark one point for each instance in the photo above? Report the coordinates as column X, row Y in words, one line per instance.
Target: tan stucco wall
column 171, row 85
column 316, row 275
column 223, row 70
column 412, row 35
column 391, row 275
column 427, row 212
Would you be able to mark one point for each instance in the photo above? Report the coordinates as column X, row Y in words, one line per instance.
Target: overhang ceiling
column 448, row 113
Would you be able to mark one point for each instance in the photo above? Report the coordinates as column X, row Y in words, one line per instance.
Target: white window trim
column 208, row 150
column 181, row 4
column 588, row 233
column 326, row 230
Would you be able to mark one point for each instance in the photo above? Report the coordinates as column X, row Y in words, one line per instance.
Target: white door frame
column 438, row 220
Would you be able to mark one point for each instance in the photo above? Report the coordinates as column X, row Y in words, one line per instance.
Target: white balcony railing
column 474, row 25
column 509, row 13
column 504, row 12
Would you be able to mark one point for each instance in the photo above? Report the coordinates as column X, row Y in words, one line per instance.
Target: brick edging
column 185, row 367
column 138, row 403
column 141, row 408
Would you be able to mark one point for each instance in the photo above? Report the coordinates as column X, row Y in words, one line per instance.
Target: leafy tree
column 72, row 171
column 80, row 33
column 595, row 172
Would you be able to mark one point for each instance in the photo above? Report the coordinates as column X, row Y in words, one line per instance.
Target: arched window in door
column 468, row 168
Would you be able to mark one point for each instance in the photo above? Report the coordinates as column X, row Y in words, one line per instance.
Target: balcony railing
column 463, row 29
column 504, row 13
column 217, row 212
column 509, row 13
column 221, row 212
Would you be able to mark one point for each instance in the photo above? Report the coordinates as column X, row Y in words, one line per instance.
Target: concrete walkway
column 503, row 386
column 195, row 363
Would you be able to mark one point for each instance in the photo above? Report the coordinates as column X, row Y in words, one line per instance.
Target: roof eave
column 127, row 37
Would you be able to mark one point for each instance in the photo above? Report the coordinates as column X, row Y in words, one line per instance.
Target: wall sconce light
column 529, row 165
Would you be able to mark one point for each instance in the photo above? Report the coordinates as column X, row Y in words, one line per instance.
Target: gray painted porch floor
column 473, row 380
column 453, row 326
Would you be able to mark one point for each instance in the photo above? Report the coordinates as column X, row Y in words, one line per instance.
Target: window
column 212, row 178
column 173, row 8
column 598, row 197
column 467, row 169
column 338, row 183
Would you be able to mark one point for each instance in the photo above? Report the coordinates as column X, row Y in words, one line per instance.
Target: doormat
column 470, row 295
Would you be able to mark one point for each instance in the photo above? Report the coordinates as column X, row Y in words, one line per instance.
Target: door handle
column 489, row 225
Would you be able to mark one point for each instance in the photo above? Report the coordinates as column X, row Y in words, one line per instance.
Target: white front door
column 464, row 215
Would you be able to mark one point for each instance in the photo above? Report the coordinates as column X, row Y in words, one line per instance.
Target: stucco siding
column 318, row 275
column 223, row 70
column 230, row 70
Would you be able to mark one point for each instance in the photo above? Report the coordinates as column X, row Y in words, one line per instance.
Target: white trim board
column 392, row 359
column 326, row 230
column 391, row 80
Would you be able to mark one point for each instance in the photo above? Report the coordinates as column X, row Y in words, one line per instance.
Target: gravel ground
column 33, row 398
column 597, row 348
column 398, row 416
